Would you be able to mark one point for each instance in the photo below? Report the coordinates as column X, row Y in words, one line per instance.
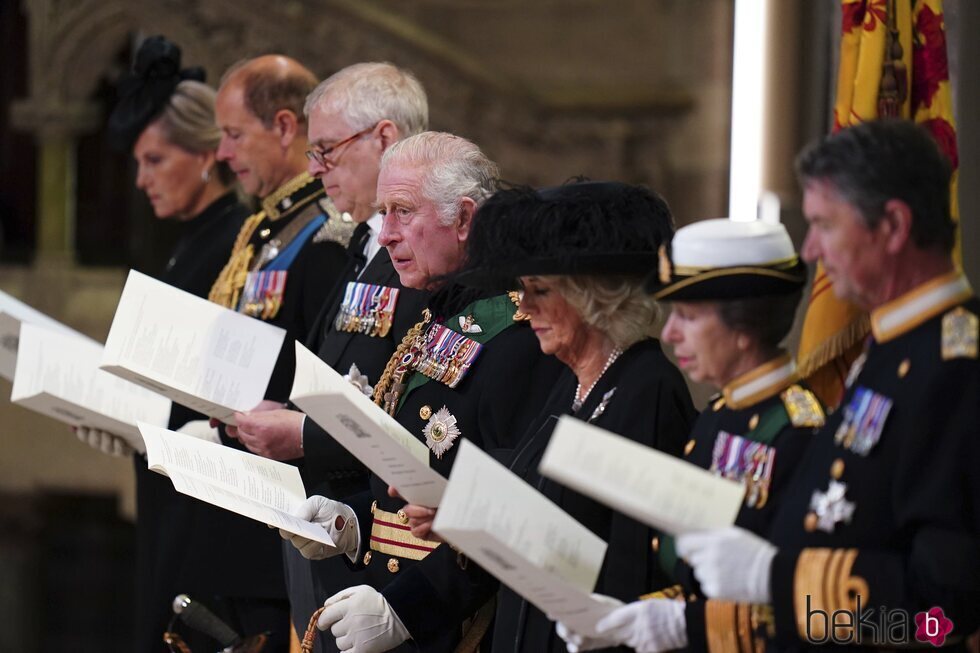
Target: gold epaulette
column 227, row 287
column 960, row 333
column 803, row 407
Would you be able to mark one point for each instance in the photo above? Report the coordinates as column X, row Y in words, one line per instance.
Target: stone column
column 56, row 128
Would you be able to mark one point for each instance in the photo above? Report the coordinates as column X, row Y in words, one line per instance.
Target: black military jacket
column 773, row 418
column 492, row 405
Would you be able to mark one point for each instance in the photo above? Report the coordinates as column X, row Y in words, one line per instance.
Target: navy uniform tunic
column 885, row 505
column 755, row 432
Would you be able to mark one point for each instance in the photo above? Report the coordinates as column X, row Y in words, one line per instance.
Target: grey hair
column 188, row 122
column 618, row 306
column 364, row 94
column 454, row 168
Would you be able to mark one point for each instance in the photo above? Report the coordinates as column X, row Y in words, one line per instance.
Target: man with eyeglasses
column 354, row 116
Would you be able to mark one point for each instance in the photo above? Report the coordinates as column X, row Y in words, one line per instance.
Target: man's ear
column 388, row 133
column 287, row 127
column 467, row 209
column 895, row 225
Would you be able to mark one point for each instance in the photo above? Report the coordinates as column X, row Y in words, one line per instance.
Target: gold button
column 425, row 412
column 689, row 447
column 718, row 404
column 810, row 522
column 837, row 469
column 753, row 421
column 393, row 565
column 265, row 233
column 402, row 517
column 655, row 544
column 367, row 558
column 374, row 506
column 903, row 368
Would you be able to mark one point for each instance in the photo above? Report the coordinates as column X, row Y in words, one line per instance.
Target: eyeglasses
column 323, row 158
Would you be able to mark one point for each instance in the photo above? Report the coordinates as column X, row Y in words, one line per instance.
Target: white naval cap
column 724, row 259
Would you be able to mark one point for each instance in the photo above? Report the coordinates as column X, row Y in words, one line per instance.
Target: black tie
column 358, row 246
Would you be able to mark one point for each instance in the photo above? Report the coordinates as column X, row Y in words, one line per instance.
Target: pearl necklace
column 577, row 402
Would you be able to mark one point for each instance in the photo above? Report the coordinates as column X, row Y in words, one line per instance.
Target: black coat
column 166, row 516
column 650, row 404
column 493, row 405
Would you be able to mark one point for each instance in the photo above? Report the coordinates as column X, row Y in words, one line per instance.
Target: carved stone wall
column 636, row 90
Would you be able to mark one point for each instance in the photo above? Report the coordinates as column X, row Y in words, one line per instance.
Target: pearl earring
column 206, row 175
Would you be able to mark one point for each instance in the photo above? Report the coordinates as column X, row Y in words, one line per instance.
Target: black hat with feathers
column 144, row 92
column 581, row 228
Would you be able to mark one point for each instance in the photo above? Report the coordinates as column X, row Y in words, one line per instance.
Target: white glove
column 576, row 642
column 358, row 380
column 731, row 563
column 201, row 429
column 650, row 626
column 104, row 441
column 337, row 518
column 362, row 621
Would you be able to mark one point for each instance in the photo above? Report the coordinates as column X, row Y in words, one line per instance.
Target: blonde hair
column 188, row 122
column 618, row 306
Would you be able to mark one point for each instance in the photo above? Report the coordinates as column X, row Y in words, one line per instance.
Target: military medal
column 441, row 432
column 446, row 356
column 467, row 325
column 863, row 422
column 831, row 507
column 262, row 294
column 367, row 309
column 740, row 459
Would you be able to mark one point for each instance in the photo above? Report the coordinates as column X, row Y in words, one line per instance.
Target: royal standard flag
column 892, row 64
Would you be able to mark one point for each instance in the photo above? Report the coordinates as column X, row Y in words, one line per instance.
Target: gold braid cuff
column 733, row 627
column 823, row 581
column 228, row 286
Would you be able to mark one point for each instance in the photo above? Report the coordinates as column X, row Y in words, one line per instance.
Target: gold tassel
column 228, row 285
column 834, row 346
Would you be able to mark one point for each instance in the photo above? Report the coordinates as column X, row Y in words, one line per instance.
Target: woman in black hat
column 734, row 288
column 581, row 253
column 165, row 117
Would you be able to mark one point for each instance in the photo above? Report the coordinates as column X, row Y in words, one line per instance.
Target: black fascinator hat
column 144, row 92
column 581, row 228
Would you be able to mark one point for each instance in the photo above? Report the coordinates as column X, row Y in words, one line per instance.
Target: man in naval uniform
column 876, row 541
column 354, row 117
column 284, row 262
column 467, row 369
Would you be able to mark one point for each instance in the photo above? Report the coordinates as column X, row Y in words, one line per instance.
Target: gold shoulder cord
column 392, row 375
column 229, row 283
